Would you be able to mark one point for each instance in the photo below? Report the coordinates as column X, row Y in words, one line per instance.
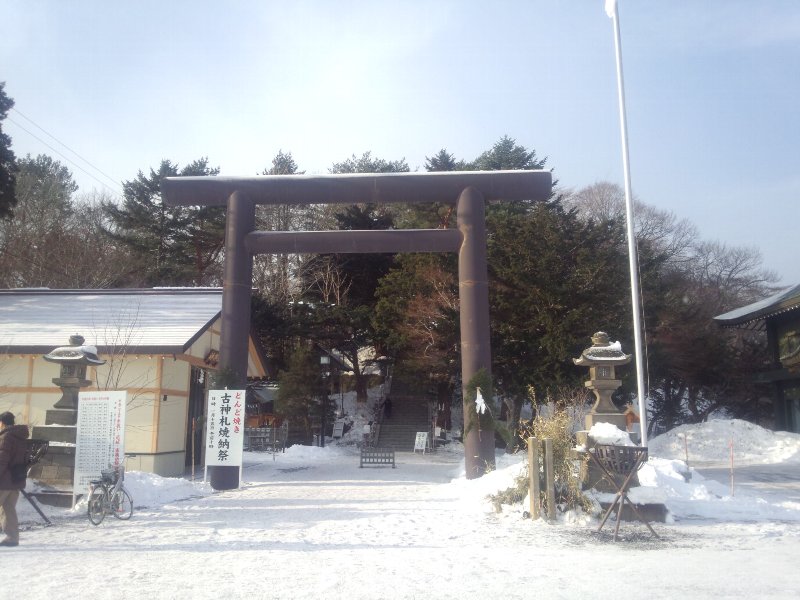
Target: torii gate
column 468, row 189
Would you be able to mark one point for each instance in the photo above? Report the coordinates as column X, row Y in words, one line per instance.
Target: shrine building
column 779, row 316
column 160, row 345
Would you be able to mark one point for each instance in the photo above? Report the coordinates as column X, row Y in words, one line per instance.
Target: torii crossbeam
column 468, row 190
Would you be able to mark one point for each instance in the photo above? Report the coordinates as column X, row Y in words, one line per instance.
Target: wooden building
column 160, row 345
column 779, row 316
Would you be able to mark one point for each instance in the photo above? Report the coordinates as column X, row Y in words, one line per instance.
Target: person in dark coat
column 13, row 448
column 387, row 408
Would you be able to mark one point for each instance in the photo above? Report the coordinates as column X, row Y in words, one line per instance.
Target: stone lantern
column 57, row 467
column 602, row 358
column 73, row 360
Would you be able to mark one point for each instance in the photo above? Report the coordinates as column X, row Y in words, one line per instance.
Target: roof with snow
column 157, row 320
column 750, row 316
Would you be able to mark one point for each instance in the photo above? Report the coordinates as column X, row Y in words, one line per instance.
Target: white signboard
column 421, row 442
column 225, row 432
column 100, row 437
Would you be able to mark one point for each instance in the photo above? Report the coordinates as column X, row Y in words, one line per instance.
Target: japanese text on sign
column 100, row 437
column 225, row 435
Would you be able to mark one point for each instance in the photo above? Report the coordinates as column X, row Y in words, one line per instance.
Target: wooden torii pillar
column 470, row 190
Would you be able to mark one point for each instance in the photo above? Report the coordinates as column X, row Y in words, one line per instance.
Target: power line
column 116, row 183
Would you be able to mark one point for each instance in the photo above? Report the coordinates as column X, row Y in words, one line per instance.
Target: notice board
column 100, row 436
column 421, row 441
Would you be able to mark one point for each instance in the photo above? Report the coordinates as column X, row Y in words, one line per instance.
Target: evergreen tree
column 300, row 389
column 362, row 272
column 417, row 313
column 8, row 167
column 506, row 155
column 416, row 319
column 35, row 238
column 283, row 164
column 366, row 163
column 443, row 161
column 168, row 245
column 436, row 214
column 553, row 282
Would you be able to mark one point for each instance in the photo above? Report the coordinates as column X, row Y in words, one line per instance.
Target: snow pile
column 689, row 495
column 606, row 433
column 508, row 467
column 709, row 443
column 313, row 454
column 149, row 490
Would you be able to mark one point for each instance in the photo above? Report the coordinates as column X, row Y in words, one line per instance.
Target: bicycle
column 108, row 495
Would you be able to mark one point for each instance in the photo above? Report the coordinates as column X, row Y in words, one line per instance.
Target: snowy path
column 771, row 481
column 327, row 529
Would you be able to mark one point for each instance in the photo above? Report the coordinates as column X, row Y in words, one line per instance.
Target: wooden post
column 534, row 490
column 731, row 445
column 686, row 449
column 549, row 479
column 194, row 431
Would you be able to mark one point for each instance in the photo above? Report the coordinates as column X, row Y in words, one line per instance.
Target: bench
column 377, row 456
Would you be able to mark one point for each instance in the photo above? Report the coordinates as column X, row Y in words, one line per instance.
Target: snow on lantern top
column 75, row 353
column 602, row 353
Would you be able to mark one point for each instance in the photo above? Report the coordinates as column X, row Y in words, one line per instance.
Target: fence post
column 533, row 475
column 549, row 479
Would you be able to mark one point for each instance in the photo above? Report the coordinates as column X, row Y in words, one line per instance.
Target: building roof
column 157, row 320
column 751, row 316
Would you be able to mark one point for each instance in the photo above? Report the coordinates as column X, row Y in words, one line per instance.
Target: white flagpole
column 613, row 13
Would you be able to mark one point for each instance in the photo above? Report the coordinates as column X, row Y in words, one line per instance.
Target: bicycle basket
column 109, row 476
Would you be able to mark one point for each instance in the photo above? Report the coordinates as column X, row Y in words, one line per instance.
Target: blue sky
column 712, row 90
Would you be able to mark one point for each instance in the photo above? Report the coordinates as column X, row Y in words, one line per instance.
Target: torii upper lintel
column 377, row 188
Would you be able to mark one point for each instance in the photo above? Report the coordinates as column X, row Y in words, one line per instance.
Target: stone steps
column 409, row 415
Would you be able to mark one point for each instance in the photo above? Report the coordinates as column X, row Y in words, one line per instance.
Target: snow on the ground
column 308, row 523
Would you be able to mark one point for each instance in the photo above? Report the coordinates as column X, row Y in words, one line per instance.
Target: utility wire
column 116, row 183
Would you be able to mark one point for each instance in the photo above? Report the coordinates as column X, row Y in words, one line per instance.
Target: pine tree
column 8, row 167
column 367, row 164
column 443, row 161
column 505, row 155
column 300, row 388
column 168, row 245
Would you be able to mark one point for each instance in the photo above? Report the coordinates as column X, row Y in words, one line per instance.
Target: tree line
column 558, row 272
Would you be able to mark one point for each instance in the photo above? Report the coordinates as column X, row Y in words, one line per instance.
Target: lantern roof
column 75, row 353
column 602, row 352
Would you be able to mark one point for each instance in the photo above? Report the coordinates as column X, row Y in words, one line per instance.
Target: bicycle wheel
column 96, row 506
column 122, row 505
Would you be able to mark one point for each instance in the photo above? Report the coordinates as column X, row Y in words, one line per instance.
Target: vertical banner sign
column 225, row 434
column 100, row 437
column 421, row 441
